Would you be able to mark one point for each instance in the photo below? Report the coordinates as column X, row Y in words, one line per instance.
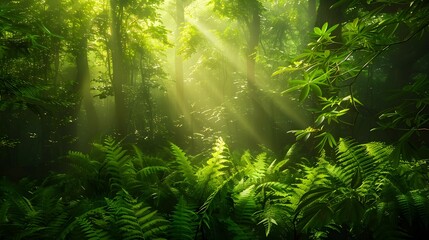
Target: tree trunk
column 182, row 106
column 118, row 66
column 83, row 80
column 148, row 103
column 260, row 127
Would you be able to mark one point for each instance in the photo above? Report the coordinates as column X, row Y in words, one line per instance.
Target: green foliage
column 119, row 194
column 327, row 76
column 239, row 9
column 345, row 190
column 133, row 219
column 26, row 215
column 184, row 165
column 183, row 221
column 211, row 175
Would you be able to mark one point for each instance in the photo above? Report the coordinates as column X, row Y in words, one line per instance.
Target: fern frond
column 206, row 205
column 211, row 175
column 135, row 219
column 119, row 167
column 315, row 216
column 90, row 232
column 361, row 159
column 275, row 166
column 82, row 164
column 240, row 231
column 275, row 215
column 4, row 208
column 258, row 168
column 140, row 157
column 313, row 177
column 184, row 165
column 82, row 222
column 245, row 205
column 183, row 221
column 276, row 186
column 414, row 206
column 151, row 170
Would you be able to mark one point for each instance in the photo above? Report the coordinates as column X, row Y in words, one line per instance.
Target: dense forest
column 214, row 119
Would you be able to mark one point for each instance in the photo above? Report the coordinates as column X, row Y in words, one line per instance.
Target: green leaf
column 324, row 27
column 350, row 211
column 331, row 140
column 292, row 89
column 332, row 28
column 316, row 89
column 327, row 53
column 312, row 197
column 318, row 31
column 304, row 93
column 356, row 179
column 282, row 70
column 316, row 216
column 319, row 120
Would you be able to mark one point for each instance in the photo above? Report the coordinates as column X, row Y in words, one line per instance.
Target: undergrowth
column 362, row 191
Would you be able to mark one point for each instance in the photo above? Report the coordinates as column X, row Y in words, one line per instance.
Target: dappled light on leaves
column 214, row 119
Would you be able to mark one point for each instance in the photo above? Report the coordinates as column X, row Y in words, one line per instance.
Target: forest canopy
column 211, row 119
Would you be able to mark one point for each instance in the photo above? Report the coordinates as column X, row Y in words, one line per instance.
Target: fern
column 134, row 219
column 90, row 223
column 211, row 175
column 90, row 232
column 24, row 95
column 414, row 206
column 183, row 221
column 118, row 165
column 151, row 170
column 40, row 214
column 82, row 164
column 313, row 178
column 245, row 205
column 257, row 169
column 184, row 165
column 361, row 160
column 210, row 199
column 208, row 204
column 239, row 231
column 277, row 215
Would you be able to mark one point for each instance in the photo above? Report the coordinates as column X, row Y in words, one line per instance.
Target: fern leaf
column 240, row 232
column 245, row 205
column 210, row 199
column 273, row 215
column 184, row 165
column 268, row 219
column 90, row 232
column 183, row 221
column 82, row 164
column 151, row 170
column 78, row 221
column 312, row 197
column 135, row 220
column 211, row 175
column 361, row 162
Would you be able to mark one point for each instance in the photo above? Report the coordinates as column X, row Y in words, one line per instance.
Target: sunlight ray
column 226, row 49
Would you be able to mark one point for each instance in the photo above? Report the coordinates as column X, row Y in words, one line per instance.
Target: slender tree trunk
column 83, row 80
column 118, row 66
column 182, row 107
column 148, row 103
column 312, row 12
column 258, row 116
